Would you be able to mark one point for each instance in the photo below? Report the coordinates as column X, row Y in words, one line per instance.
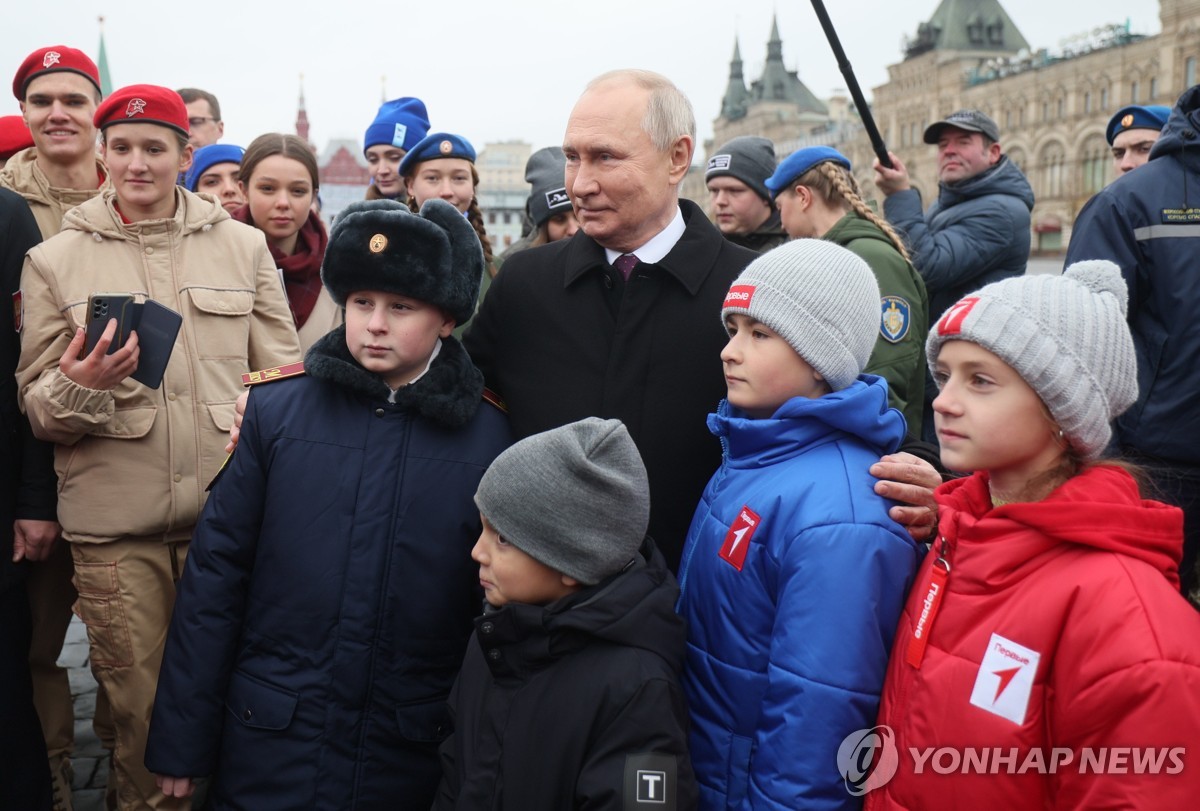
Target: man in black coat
column 564, row 333
column 27, row 531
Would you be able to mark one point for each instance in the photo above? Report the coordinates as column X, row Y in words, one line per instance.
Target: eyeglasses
column 198, row 121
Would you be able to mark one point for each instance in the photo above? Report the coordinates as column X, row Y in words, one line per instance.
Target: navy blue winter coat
column 975, row 233
column 1148, row 222
column 793, row 580
column 329, row 591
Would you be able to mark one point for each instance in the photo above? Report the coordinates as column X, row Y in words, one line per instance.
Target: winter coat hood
column 634, row 608
column 99, row 216
column 860, row 410
column 448, row 394
column 1182, row 127
column 1100, row 508
column 1003, row 178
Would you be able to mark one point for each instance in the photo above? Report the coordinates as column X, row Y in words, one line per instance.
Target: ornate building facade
column 1052, row 108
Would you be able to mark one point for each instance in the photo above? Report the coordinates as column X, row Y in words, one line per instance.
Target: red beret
column 14, row 136
column 143, row 104
column 51, row 59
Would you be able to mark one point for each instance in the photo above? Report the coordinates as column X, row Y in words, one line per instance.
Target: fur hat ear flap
column 466, row 252
column 433, row 257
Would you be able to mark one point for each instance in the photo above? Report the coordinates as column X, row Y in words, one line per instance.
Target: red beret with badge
column 52, row 59
column 143, row 104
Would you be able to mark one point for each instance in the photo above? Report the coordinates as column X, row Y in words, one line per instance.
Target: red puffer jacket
column 1056, row 641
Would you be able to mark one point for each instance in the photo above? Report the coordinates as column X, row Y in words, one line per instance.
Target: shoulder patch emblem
column 274, row 373
column 650, row 782
column 490, row 396
column 895, row 320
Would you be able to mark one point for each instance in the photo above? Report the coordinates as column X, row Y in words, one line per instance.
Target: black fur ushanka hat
column 380, row 245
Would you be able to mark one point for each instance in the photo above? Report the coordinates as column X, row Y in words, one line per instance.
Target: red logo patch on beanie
column 739, row 296
column 51, row 58
column 135, row 107
column 952, row 321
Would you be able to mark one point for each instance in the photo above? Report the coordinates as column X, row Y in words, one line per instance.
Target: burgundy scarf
column 302, row 269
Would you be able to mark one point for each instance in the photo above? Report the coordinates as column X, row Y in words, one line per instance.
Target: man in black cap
column 976, row 232
column 741, row 204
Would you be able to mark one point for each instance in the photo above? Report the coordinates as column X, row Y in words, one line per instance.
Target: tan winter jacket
column 48, row 204
column 134, row 462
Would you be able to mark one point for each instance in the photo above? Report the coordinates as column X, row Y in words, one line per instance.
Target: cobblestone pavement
column 91, row 759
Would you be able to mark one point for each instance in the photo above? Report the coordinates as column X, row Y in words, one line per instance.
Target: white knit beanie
column 1066, row 336
column 820, row 298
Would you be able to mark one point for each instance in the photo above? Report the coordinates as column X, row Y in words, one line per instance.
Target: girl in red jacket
column 1045, row 658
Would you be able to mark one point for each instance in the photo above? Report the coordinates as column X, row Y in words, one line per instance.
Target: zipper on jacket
column 934, row 589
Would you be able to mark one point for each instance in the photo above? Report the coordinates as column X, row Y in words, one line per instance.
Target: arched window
column 1053, row 165
column 1096, row 164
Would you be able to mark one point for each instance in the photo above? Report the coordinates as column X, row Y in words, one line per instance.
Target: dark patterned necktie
column 626, row 263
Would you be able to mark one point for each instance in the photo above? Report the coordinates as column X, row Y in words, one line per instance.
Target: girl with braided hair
column 818, row 197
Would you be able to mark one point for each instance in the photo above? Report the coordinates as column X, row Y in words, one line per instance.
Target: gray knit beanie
column 575, row 498
column 544, row 171
column 820, row 298
column 1066, row 336
column 749, row 158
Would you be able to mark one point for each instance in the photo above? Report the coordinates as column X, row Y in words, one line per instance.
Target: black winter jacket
column 28, row 488
column 576, row 704
column 329, row 591
column 561, row 337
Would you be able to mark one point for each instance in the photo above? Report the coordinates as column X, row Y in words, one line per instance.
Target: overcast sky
column 486, row 69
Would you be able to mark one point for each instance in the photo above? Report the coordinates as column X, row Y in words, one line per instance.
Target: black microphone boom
column 864, row 111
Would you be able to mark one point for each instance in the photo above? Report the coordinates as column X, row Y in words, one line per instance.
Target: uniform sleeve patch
column 650, row 782
column 896, row 319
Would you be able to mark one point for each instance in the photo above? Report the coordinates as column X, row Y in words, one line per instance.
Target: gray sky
column 488, row 70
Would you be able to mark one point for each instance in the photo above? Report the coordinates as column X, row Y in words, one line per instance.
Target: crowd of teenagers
column 658, row 532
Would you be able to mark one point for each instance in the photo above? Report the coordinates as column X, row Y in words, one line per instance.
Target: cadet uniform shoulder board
column 490, row 396
column 274, row 373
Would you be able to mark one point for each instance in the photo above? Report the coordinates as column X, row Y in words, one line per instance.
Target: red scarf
column 302, row 269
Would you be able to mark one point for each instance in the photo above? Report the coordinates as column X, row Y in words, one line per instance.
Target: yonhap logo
column 867, row 759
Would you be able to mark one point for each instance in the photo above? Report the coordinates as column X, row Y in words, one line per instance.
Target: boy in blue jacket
column 329, row 592
column 793, row 575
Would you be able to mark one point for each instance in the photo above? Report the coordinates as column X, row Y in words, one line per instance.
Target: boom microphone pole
column 864, row 111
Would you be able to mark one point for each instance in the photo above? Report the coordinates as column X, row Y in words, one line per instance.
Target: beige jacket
column 134, row 462
column 325, row 316
column 48, row 204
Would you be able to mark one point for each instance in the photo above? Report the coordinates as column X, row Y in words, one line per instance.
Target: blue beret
column 438, row 145
column 1137, row 117
column 206, row 157
column 400, row 122
column 800, row 162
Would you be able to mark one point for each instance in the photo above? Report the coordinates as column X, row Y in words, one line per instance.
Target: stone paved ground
column 91, row 760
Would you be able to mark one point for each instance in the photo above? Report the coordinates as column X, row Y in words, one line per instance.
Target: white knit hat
column 820, row 298
column 1066, row 336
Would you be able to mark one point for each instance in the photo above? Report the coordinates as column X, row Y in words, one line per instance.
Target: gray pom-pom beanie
column 575, row 498
column 1066, row 336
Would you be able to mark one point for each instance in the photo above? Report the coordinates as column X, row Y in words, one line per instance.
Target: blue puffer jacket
column 329, row 592
column 1148, row 222
column 975, row 233
column 792, row 582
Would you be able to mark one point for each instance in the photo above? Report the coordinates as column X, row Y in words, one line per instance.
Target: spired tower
column 302, row 115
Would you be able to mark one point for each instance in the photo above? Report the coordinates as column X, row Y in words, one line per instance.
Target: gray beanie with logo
column 749, row 158
column 820, row 298
column 575, row 498
column 1066, row 336
column 544, row 171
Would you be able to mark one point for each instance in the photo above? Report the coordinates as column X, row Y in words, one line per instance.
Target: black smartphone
column 102, row 308
column 157, row 327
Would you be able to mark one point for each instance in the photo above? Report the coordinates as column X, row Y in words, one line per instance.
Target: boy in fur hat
column 329, row 592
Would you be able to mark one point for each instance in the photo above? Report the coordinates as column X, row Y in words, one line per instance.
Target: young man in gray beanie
column 329, row 592
column 793, row 575
column 569, row 696
column 741, row 204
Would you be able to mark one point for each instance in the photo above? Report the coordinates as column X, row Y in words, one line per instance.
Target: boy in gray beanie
column 793, row 574
column 570, row 695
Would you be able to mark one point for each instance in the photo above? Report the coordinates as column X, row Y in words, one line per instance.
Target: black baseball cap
column 969, row 120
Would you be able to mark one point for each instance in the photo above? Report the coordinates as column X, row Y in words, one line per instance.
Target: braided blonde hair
column 839, row 188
